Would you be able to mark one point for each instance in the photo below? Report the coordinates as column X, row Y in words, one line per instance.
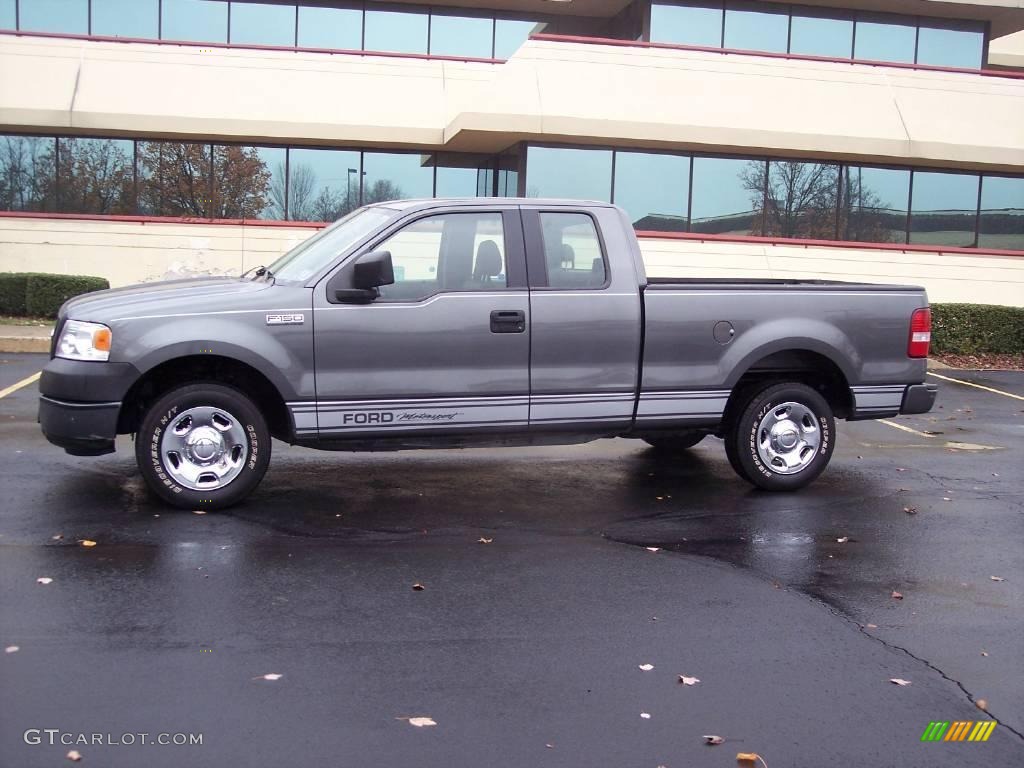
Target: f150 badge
column 291, row 319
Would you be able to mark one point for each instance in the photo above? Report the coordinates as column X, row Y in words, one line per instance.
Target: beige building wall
column 129, row 252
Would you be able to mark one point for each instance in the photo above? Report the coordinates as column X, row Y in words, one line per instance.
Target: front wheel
column 203, row 446
column 784, row 437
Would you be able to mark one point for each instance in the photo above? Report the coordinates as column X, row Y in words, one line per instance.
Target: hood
column 202, row 294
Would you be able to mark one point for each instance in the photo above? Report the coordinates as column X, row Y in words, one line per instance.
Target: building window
column 396, row 176
column 126, row 18
column 951, row 44
column 463, row 176
column 509, row 34
column 8, row 14
column 1001, row 222
column 572, row 251
column 461, row 35
column 943, row 208
column 340, row 28
column 800, row 199
column 67, row 16
column 174, row 179
column 654, row 189
column 204, row 21
column 820, row 33
column 27, row 173
column 756, row 27
column 581, row 174
column 874, row 204
column 728, row 195
column 263, row 24
column 243, row 183
column 323, row 184
column 697, row 24
column 95, row 176
column 885, row 38
column 398, row 31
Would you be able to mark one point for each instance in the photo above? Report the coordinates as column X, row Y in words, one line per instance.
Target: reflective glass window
column 67, row 16
column 1002, row 213
column 400, row 31
column 263, row 24
column 727, row 195
column 463, row 176
column 174, row 178
column 696, row 24
column 96, row 176
column 461, row 35
column 509, row 34
column 204, row 21
column 885, row 38
column 821, row 34
column 323, row 184
column 582, row 174
column 126, row 18
column 801, row 199
column 874, row 204
column 396, row 176
column 653, row 188
column 244, row 182
column 756, row 27
column 572, row 251
column 330, row 28
column 27, row 178
column 943, row 208
column 951, row 44
column 8, row 17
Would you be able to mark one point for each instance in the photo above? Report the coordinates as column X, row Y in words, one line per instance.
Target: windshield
column 308, row 258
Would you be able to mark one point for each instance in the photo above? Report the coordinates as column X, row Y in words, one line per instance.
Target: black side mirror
column 373, row 270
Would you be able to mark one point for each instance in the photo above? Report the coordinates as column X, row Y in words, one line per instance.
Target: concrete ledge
column 10, row 344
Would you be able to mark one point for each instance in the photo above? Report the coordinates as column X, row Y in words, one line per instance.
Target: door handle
column 508, row 321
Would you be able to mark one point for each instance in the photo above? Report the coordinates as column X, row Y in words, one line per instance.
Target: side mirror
column 373, row 270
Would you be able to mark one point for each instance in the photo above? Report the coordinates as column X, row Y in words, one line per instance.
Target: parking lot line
column 906, row 429
column 977, row 386
column 18, row 385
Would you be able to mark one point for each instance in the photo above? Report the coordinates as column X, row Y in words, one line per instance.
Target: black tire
column 677, row 441
column 252, row 440
column 810, row 422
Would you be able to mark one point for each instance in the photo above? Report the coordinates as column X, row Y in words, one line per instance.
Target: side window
column 572, row 251
column 448, row 252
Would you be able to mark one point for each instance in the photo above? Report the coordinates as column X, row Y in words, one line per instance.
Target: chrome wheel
column 788, row 438
column 204, row 448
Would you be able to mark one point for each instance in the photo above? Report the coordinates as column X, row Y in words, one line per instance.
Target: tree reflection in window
column 27, row 179
column 800, row 198
column 95, row 176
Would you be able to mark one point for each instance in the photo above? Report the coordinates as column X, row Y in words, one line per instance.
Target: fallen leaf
column 871, row 626
column 946, row 498
column 58, row 537
column 843, row 539
column 981, row 704
column 900, row 469
column 549, row 746
column 74, row 756
column 684, row 680
column 43, row 580
column 646, row 667
column 270, row 676
column 749, row 758
column 653, row 549
column 421, row 722
column 15, row 649
column 983, row 653
column 87, row 543
column 896, row 595
column 712, row 739
column 899, row 681
column 995, row 474
column 645, row 715
column 198, row 511
column 482, row 540
column 910, row 510
column 997, row 578
column 660, row 498
column 417, row 587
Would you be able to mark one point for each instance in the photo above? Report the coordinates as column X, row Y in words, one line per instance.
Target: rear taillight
column 920, row 333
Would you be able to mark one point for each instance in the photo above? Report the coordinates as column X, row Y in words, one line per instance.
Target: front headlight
column 84, row 341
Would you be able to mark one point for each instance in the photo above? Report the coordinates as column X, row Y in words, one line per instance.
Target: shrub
column 44, row 294
column 970, row 329
column 12, row 293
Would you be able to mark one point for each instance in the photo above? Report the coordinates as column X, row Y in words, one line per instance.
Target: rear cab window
column 573, row 254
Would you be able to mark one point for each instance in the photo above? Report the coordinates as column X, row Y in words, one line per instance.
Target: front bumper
column 80, row 401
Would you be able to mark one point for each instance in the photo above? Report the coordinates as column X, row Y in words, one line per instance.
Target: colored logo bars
column 959, row 731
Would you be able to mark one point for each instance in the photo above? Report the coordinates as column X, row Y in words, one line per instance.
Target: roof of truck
column 427, row 202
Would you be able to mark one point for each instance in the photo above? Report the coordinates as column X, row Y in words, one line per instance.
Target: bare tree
column 27, row 175
column 799, row 199
column 95, row 176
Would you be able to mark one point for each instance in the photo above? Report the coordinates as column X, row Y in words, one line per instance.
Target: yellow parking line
column 23, row 383
column 977, row 386
column 906, row 429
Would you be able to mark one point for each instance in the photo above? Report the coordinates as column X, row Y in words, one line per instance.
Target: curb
column 9, row 344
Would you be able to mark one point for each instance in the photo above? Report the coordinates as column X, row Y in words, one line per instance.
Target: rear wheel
column 783, row 438
column 677, row 441
column 203, row 446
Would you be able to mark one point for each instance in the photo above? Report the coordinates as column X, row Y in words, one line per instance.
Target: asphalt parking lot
column 525, row 649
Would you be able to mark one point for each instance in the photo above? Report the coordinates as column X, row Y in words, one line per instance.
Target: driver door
column 443, row 350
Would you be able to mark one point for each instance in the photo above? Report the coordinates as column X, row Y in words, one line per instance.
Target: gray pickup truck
column 488, row 321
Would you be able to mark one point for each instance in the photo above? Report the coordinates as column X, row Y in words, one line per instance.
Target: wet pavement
column 525, row 650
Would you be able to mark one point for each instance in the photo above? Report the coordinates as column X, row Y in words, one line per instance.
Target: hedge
column 41, row 295
column 970, row 329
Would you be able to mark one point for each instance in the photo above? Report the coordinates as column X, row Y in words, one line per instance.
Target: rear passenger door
column 586, row 320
